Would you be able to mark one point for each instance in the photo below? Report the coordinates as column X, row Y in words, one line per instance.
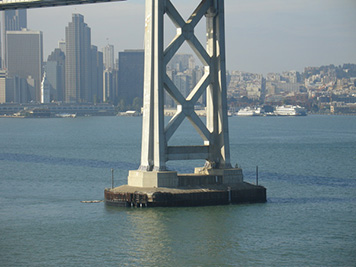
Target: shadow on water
column 30, row 158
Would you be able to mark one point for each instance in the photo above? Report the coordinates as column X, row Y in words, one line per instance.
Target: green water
column 47, row 166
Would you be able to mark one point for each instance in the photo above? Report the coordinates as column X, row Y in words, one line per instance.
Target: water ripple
column 306, row 179
column 31, row 158
column 309, row 200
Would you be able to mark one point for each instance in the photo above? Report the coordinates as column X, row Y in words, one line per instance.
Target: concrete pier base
column 215, row 194
column 139, row 178
column 170, row 189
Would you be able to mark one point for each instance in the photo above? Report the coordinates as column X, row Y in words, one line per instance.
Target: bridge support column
column 155, row 150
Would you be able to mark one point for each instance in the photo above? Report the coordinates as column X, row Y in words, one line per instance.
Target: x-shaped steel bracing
column 155, row 135
column 185, row 106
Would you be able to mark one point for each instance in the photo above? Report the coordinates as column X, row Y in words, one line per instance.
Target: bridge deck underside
column 47, row 3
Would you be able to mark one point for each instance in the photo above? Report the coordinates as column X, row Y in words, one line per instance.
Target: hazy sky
column 261, row 35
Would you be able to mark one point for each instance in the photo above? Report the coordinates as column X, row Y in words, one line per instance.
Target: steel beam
column 155, row 134
column 24, row 4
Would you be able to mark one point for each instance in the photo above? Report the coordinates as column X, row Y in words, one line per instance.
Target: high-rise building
column 12, row 20
column 13, row 89
column 24, row 51
column 181, row 62
column 131, row 75
column 109, row 75
column 4, row 92
column 62, row 46
column 108, row 54
column 108, row 85
column 97, row 68
column 78, row 67
column 182, row 81
column 55, row 72
column 115, row 85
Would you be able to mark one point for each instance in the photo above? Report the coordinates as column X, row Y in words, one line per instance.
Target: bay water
column 48, row 166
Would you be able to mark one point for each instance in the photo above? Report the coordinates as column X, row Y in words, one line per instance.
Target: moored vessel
column 249, row 112
column 289, row 110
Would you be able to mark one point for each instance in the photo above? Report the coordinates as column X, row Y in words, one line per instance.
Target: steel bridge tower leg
column 155, row 151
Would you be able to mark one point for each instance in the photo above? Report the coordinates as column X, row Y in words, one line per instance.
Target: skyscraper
column 12, row 20
column 131, row 75
column 25, row 59
column 55, row 71
column 78, row 61
column 108, row 85
column 109, row 76
column 108, row 54
column 97, row 68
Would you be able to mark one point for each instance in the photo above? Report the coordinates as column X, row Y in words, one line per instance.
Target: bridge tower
column 155, row 151
column 214, row 184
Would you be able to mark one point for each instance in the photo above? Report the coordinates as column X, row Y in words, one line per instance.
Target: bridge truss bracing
column 155, row 134
column 20, row 4
column 155, row 151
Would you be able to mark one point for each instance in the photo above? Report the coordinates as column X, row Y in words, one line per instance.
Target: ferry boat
column 249, row 112
column 289, row 110
column 66, row 115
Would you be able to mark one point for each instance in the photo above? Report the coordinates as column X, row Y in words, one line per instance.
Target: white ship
column 249, row 112
column 66, row 115
column 289, row 110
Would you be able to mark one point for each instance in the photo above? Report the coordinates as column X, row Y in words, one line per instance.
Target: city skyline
column 261, row 36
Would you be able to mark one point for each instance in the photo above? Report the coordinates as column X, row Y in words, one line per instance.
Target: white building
column 45, row 90
column 108, row 57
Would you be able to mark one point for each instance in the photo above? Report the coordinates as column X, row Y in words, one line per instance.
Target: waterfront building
column 25, row 60
column 45, row 90
column 131, row 64
column 78, row 61
column 3, row 90
column 12, row 89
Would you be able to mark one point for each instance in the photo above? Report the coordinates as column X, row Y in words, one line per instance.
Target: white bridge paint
column 155, row 135
column 155, row 151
